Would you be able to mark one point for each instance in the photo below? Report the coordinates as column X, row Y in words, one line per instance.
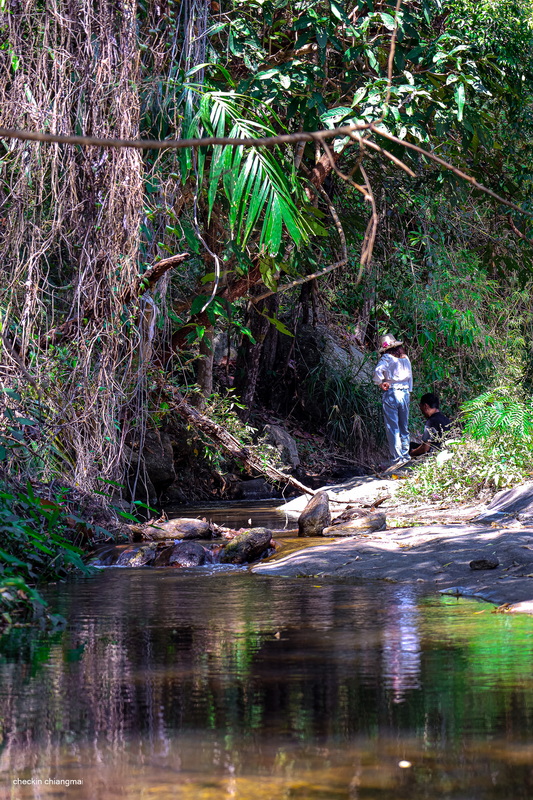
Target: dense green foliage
column 492, row 450
column 35, row 546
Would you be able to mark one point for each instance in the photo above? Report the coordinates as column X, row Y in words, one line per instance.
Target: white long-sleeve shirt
column 396, row 371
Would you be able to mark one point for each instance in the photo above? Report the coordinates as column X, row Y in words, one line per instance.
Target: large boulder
column 320, row 345
column 179, row 528
column 315, row 517
column 189, row 554
column 247, row 547
column 284, row 444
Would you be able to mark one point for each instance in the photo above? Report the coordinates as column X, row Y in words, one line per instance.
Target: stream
column 215, row 684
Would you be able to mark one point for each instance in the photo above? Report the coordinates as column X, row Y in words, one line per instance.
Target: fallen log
column 226, row 440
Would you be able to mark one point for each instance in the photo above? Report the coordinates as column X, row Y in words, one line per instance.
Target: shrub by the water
column 493, row 451
column 33, row 548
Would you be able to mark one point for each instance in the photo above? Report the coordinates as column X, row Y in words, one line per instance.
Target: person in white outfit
column 394, row 376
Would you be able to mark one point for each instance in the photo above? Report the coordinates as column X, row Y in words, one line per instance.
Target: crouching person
column 436, row 425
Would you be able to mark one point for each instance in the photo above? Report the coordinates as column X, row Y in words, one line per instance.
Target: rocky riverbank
column 362, row 530
column 484, row 551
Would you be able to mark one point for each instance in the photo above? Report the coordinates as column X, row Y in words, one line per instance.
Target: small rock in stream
column 137, row 556
column 163, row 555
column 247, row 547
column 189, row 554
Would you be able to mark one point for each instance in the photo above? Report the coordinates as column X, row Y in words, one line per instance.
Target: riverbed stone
column 163, row 555
column 179, row 528
column 315, row 517
column 106, row 556
column 247, row 547
column 515, row 503
column 188, row 554
column 359, row 523
column 358, row 490
column 484, row 563
column 137, row 556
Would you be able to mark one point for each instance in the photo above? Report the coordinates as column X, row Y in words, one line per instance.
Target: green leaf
column 198, row 303
column 338, row 11
column 387, row 20
column 460, row 100
column 11, row 393
column 279, row 325
column 9, row 559
column 321, row 37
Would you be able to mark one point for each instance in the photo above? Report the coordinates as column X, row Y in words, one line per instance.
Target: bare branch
column 299, row 281
column 390, row 64
column 266, row 141
column 369, row 143
column 180, row 144
column 152, row 275
column 447, row 165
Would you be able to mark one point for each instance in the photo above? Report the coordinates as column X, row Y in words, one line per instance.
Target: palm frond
column 498, row 413
column 264, row 195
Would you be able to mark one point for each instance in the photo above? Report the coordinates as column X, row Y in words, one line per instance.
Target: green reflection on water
column 182, row 684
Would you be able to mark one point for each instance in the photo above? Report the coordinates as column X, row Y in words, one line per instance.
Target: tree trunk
column 249, row 358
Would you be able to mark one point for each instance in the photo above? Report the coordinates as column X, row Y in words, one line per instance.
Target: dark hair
column 398, row 351
column 430, row 400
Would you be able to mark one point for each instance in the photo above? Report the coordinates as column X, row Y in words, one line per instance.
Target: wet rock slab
column 356, row 522
column 436, row 555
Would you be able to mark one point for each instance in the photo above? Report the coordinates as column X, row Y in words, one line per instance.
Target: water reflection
column 401, row 644
column 176, row 685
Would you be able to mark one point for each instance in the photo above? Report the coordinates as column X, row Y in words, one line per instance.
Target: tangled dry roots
column 70, row 223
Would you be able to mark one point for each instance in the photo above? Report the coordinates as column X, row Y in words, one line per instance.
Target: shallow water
column 213, row 685
column 238, row 513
